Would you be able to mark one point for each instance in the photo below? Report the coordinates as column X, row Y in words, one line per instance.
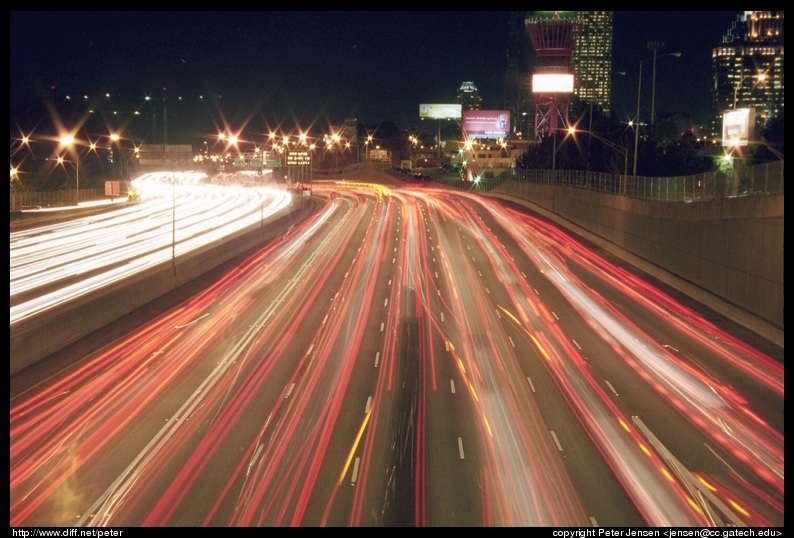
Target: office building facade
column 591, row 58
column 752, row 46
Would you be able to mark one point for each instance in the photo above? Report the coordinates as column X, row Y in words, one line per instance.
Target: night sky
column 321, row 67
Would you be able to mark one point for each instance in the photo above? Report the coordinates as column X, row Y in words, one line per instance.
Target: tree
column 772, row 143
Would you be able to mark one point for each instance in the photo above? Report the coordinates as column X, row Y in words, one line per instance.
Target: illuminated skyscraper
column 591, row 58
column 753, row 45
column 468, row 97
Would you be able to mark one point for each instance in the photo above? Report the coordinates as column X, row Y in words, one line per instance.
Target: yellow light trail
column 355, row 445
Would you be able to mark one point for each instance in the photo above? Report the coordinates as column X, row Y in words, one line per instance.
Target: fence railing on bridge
column 762, row 179
column 21, row 201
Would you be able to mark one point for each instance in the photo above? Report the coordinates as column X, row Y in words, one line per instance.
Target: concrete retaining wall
column 36, row 338
column 727, row 254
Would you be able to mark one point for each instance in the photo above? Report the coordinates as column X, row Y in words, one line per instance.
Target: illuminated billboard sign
column 486, row 123
column 737, row 127
column 552, row 83
column 440, row 112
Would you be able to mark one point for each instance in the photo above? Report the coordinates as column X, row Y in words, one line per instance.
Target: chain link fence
column 762, row 179
column 21, row 201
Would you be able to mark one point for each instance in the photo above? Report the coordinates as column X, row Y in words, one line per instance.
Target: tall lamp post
column 68, row 141
column 653, row 97
column 760, row 77
column 413, row 140
column 569, row 131
column 116, row 139
column 655, row 45
column 312, row 147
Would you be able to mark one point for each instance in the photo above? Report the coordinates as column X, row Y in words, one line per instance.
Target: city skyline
column 326, row 66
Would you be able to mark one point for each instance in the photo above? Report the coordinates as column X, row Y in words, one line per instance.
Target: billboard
column 450, row 111
column 486, row 123
column 737, row 127
column 552, row 83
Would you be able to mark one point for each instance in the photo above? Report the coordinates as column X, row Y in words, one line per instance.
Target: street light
column 569, row 131
column 312, row 147
column 68, row 141
column 116, row 139
column 368, row 143
column 760, row 77
column 653, row 97
column 413, row 140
